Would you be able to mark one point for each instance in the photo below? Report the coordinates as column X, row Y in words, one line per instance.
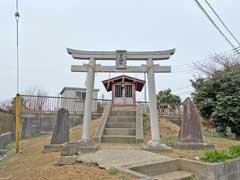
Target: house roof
column 75, row 89
column 108, row 82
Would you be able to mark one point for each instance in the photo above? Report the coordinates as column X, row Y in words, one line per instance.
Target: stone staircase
column 167, row 169
column 175, row 175
column 120, row 127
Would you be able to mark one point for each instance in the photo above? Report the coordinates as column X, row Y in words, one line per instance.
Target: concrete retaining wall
column 213, row 171
column 5, row 139
column 6, row 121
column 34, row 124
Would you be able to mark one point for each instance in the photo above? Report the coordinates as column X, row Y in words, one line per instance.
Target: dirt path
column 32, row 164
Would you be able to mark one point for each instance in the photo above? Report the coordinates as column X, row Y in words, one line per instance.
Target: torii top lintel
column 111, row 55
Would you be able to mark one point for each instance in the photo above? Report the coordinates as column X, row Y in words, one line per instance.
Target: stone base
column 66, row 160
column 53, row 148
column 193, row 146
column 156, row 146
column 82, row 146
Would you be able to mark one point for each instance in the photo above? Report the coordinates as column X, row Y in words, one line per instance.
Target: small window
column 118, row 91
column 128, row 91
column 83, row 95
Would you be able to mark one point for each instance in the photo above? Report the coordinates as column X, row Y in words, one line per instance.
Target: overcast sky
column 47, row 28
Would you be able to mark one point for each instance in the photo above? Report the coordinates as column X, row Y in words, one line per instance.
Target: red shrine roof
column 108, row 82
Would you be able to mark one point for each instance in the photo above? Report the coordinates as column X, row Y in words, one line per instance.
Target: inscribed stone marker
column 61, row 130
column 191, row 131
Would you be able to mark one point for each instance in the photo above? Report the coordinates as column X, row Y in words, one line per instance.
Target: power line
column 214, row 24
column 220, row 19
column 186, row 92
column 185, row 87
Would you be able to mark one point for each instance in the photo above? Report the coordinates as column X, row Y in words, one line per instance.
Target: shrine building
column 123, row 90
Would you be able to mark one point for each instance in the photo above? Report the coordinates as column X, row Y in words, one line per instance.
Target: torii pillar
column 87, row 116
column 155, row 143
column 153, row 103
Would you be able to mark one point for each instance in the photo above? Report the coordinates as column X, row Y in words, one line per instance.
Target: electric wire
column 221, row 20
column 214, row 24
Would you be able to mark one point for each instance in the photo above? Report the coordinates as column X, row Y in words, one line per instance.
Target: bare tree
column 6, row 105
column 35, row 99
column 35, row 92
column 216, row 63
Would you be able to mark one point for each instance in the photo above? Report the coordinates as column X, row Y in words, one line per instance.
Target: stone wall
column 6, row 121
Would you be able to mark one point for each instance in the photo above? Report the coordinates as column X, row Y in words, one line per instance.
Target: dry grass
column 169, row 134
column 167, row 129
column 32, row 164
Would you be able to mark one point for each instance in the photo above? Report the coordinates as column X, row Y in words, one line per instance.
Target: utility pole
column 18, row 98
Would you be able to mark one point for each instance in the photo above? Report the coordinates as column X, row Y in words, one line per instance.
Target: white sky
column 47, row 28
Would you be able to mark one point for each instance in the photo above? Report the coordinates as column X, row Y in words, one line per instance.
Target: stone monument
column 61, row 131
column 190, row 135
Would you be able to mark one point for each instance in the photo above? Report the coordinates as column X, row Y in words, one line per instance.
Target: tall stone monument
column 61, row 131
column 190, row 135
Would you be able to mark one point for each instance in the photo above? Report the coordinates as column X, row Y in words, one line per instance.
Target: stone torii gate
column 121, row 57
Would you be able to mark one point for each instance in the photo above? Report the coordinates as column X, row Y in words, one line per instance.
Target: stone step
column 118, row 139
column 123, row 113
column 121, row 125
column 175, row 175
column 121, row 119
column 120, row 131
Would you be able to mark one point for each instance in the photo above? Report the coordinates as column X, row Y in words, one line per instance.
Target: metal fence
column 30, row 103
column 171, row 111
column 44, row 104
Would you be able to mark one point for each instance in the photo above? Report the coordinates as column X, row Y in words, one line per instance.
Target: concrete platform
column 120, row 157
